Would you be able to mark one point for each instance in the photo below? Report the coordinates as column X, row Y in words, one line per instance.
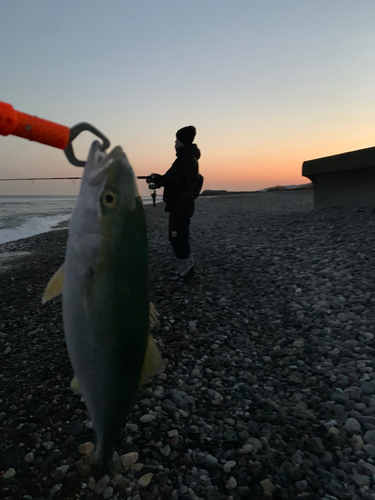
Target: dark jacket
column 180, row 180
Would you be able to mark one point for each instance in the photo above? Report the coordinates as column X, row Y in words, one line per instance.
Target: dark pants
column 178, row 232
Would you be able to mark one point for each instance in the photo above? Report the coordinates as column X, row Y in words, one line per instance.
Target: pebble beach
column 269, row 385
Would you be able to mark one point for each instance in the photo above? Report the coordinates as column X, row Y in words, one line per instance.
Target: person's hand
column 154, row 179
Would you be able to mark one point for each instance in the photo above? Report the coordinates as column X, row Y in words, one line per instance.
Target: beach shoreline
column 269, row 387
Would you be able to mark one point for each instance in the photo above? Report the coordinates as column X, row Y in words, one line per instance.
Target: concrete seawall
column 343, row 180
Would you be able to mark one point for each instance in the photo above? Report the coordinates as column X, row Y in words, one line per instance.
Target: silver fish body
column 106, row 292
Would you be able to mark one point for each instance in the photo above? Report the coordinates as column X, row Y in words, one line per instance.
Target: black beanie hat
column 186, row 135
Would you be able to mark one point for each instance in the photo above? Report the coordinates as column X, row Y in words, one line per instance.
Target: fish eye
column 109, row 199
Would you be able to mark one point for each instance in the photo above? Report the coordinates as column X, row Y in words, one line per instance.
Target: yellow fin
column 75, row 386
column 153, row 316
column 54, row 286
column 153, row 362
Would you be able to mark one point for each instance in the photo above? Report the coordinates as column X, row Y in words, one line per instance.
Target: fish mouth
column 98, row 163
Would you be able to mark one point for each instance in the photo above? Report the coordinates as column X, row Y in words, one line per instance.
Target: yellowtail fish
column 105, row 289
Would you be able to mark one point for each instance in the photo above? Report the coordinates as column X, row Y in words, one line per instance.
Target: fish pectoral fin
column 153, row 362
column 153, row 316
column 54, row 286
column 74, row 384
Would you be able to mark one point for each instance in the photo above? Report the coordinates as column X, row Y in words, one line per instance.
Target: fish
column 104, row 281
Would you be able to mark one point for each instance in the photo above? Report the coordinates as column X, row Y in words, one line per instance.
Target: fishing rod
column 42, row 179
column 54, row 178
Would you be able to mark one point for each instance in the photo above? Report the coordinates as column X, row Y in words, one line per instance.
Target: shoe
column 189, row 275
column 176, row 277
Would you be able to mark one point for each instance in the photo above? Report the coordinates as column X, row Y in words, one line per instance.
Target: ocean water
column 24, row 216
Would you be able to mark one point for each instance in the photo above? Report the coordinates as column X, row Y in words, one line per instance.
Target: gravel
column 269, row 388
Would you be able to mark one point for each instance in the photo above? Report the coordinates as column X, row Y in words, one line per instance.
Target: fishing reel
column 152, row 181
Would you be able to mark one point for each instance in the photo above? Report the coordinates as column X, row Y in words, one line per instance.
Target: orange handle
column 30, row 127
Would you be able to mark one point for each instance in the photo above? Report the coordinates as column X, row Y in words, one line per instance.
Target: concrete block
column 343, row 180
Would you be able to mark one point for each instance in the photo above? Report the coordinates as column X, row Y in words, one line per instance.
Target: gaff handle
column 30, row 127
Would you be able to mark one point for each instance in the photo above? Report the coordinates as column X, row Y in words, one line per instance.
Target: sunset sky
column 267, row 83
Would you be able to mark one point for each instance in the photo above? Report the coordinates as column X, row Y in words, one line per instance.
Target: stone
column 207, row 459
column 267, row 485
column 232, row 483
column 91, row 483
column 368, row 388
column 368, row 468
column 132, row 427
column 298, row 344
column 316, row 445
column 193, row 326
column 168, row 406
column 338, row 409
column 228, row 466
column 174, row 441
column 145, row 419
column 166, row 450
column 63, row 469
column 333, row 431
column 29, row 457
column 48, row 445
column 145, row 480
column 119, row 481
column 108, row 493
column 369, row 437
column 357, row 442
column 129, row 458
column 369, row 449
column 9, row 473
column 354, row 393
column 137, row 467
column 301, row 486
column 55, row 489
column 361, row 480
column 181, row 398
column 352, row 425
column 255, row 443
column 247, row 448
column 210, row 459
column 102, row 484
column 86, row 448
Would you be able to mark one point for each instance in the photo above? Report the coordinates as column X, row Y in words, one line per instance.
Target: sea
column 24, row 216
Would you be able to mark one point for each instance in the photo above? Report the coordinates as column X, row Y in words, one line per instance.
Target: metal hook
column 74, row 132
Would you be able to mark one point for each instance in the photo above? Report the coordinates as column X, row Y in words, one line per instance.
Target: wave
column 32, row 227
column 18, row 224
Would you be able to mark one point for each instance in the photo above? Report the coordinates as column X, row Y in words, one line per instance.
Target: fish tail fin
column 103, row 450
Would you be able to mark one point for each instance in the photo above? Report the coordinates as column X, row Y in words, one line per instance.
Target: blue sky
column 268, row 84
